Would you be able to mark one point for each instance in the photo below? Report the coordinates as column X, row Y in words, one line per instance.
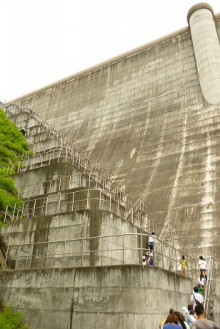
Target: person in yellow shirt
column 184, row 265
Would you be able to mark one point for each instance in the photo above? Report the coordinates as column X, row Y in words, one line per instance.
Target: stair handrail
column 168, row 227
column 208, row 283
column 84, row 160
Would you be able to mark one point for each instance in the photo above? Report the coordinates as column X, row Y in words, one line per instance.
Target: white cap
column 184, row 310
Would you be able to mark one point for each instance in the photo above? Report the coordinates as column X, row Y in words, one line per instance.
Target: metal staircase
column 52, row 148
column 166, row 235
column 210, row 289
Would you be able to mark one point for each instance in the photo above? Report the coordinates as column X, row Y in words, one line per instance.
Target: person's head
column 153, row 233
column 172, row 318
column 185, row 312
column 171, row 310
column 180, row 316
column 200, row 257
column 195, row 289
column 181, row 319
column 183, row 257
column 199, row 309
column 190, row 309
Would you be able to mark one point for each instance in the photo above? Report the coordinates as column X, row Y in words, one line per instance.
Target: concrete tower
column 207, row 50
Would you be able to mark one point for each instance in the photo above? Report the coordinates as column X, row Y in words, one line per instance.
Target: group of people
column 188, row 319
column 202, row 265
column 194, row 317
column 148, row 258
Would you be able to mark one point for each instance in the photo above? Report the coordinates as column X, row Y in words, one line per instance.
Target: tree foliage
column 10, row 319
column 12, row 147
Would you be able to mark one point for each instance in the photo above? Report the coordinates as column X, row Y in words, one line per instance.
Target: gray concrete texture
column 126, row 297
column 55, row 229
column 144, row 117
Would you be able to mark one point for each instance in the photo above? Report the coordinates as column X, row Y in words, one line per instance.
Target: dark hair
column 172, row 318
column 190, row 307
column 153, row 233
column 200, row 257
column 171, row 310
column 181, row 319
column 195, row 289
column 183, row 257
column 199, row 309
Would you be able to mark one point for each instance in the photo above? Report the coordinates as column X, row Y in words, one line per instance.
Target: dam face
column 151, row 118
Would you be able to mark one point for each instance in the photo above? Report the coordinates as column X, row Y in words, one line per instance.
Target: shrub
column 11, row 319
column 12, row 146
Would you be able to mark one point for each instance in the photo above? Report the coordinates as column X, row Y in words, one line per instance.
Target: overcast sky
column 43, row 41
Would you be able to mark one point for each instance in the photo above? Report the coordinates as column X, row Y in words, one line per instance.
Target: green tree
column 12, row 146
column 11, row 319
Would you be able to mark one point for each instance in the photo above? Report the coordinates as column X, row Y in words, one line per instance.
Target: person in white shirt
column 202, row 267
column 196, row 298
column 191, row 315
column 152, row 241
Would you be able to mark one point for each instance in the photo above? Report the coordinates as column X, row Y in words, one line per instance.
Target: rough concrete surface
column 126, row 297
column 144, row 118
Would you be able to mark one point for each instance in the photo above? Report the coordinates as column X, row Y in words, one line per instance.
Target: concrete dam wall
column 151, row 118
column 75, row 245
column 95, row 297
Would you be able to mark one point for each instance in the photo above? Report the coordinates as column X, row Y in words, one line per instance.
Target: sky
column 43, row 41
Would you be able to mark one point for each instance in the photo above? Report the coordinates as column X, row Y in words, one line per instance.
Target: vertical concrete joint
column 207, row 50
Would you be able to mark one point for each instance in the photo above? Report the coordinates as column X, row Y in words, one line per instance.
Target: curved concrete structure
column 207, row 50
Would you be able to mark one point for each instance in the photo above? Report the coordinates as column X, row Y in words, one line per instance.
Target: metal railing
column 125, row 248
column 80, row 158
column 166, row 235
column 95, row 199
column 210, row 278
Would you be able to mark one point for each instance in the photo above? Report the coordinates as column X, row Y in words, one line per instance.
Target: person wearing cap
column 185, row 313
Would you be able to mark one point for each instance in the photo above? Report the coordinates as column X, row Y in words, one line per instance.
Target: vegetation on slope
column 10, row 319
column 12, row 146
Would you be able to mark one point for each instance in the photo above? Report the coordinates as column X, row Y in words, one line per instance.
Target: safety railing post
column 6, row 212
column 170, row 259
column 101, row 251
column 162, row 252
column 176, row 260
column 100, row 197
column 14, row 211
column 46, row 206
column 31, row 255
column 123, row 248
column 118, row 206
column 6, row 258
column 17, row 256
column 82, row 258
column 73, row 201
column 34, row 207
column 60, row 182
column 141, row 253
column 47, row 253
